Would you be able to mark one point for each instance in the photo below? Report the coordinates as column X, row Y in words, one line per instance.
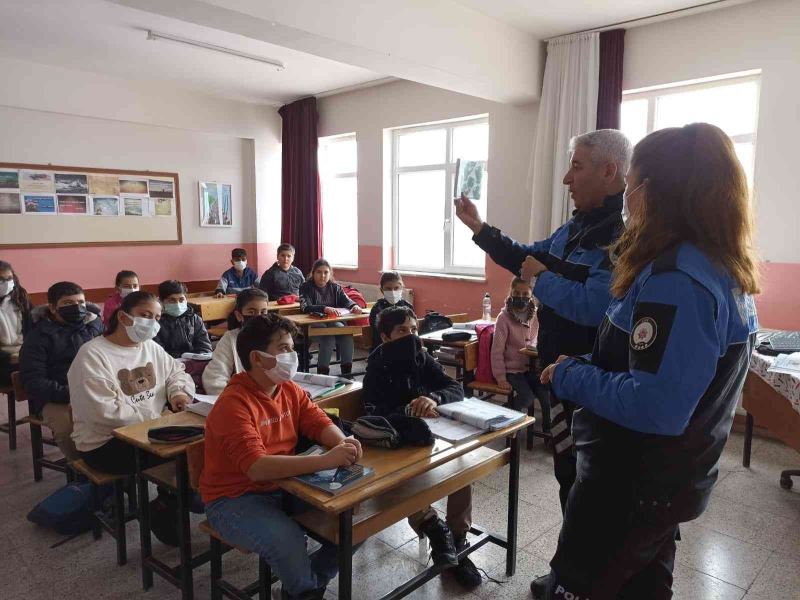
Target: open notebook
column 464, row 420
column 202, row 405
column 334, row 481
column 319, row 386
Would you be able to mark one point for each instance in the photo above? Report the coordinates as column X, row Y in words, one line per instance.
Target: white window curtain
column 568, row 107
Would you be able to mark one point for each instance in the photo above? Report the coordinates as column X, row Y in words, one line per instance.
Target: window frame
column 651, row 94
column 449, row 167
column 325, row 140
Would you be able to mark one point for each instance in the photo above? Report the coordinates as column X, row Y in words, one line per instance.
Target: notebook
column 452, row 431
column 481, row 414
column 202, row 405
column 319, row 386
column 334, row 481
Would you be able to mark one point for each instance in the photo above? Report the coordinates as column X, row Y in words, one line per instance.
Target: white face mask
column 6, row 287
column 142, row 330
column 240, row 264
column 125, row 291
column 626, row 213
column 393, row 296
column 285, row 369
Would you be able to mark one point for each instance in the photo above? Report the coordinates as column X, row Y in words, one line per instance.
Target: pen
column 336, row 474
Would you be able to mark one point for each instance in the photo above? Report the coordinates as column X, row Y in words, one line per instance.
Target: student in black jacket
column 282, row 278
column 392, row 289
column 182, row 330
column 402, row 378
column 66, row 323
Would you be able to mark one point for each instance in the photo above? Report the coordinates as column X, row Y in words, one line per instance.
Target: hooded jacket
column 186, row 333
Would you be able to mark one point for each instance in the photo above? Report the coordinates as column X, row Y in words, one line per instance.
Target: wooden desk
column 136, row 435
column 213, row 309
column 401, row 483
column 305, row 321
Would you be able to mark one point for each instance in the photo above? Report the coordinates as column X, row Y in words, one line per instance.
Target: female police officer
column 658, row 393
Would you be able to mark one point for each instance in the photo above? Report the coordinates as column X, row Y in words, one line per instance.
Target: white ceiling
column 100, row 37
column 550, row 19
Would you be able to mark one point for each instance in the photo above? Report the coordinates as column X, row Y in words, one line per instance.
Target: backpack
column 358, row 298
column 434, row 321
column 68, row 510
column 483, row 373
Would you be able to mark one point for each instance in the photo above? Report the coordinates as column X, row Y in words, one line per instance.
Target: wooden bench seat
column 93, row 475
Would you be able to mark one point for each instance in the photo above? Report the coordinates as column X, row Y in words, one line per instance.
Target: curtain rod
column 649, row 17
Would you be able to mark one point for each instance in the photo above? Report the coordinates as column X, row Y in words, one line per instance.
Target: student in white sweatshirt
column 123, row 378
column 225, row 361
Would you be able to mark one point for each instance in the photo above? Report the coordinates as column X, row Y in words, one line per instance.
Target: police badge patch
column 644, row 334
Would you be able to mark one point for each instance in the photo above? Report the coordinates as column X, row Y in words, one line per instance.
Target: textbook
column 202, row 405
column 450, row 430
column 480, row 414
column 319, row 386
column 469, row 178
column 333, row 481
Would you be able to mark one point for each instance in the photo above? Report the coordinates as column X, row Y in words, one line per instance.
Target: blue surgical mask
column 176, row 309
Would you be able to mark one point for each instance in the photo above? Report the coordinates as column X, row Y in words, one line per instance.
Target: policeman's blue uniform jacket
column 574, row 291
column 231, row 283
column 659, row 393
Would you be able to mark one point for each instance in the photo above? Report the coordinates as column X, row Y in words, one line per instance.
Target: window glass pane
column 634, row 119
column 337, row 156
column 420, row 213
column 471, row 142
column 745, row 153
column 466, row 253
column 732, row 108
column 422, row 148
column 340, row 220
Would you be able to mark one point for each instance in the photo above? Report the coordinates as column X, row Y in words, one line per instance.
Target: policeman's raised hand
column 531, row 268
column 467, row 213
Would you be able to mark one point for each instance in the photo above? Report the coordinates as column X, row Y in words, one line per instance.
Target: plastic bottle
column 487, row 307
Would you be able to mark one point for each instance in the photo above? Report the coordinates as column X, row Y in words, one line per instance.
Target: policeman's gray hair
column 606, row 146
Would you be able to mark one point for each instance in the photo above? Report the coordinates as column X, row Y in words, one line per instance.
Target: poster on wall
column 71, row 183
column 105, row 206
column 9, row 180
column 72, row 205
column 133, row 186
column 216, row 207
column 135, row 206
column 104, row 185
column 39, row 205
column 10, row 203
column 39, row 182
column 162, row 207
column 161, row 189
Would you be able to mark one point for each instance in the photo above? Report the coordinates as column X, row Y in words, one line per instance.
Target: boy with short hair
column 250, row 437
column 392, row 289
column 239, row 277
column 182, row 330
column 47, row 353
column 282, row 278
column 402, row 378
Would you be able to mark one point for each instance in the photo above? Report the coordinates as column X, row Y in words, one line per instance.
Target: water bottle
column 487, row 307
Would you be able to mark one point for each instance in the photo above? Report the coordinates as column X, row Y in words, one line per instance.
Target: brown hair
column 518, row 281
column 695, row 191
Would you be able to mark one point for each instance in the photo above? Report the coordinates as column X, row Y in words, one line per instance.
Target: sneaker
column 466, row 573
column 539, row 587
column 443, row 549
column 164, row 519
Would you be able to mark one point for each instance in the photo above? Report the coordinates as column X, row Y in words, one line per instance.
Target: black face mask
column 519, row 303
column 73, row 313
column 402, row 349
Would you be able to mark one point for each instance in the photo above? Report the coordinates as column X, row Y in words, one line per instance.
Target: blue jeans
column 256, row 521
column 327, row 342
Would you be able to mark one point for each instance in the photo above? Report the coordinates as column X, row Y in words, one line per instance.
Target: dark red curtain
column 609, row 98
column 301, row 208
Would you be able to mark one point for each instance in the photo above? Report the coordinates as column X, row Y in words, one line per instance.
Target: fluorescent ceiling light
column 154, row 35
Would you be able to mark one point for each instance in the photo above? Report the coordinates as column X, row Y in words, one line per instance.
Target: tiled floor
column 746, row 545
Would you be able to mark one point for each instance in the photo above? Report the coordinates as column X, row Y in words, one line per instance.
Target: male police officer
column 572, row 268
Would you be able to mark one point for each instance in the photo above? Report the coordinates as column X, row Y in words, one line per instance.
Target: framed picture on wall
column 216, row 206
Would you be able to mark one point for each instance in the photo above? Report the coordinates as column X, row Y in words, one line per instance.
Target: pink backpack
column 483, row 373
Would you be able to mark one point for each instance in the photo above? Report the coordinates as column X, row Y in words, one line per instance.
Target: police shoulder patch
column 644, row 333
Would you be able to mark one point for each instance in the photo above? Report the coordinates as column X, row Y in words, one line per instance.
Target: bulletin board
column 54, row 206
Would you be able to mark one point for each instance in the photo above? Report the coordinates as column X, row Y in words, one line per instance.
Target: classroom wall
column 511, row 130
column 759, row 35
column 202, row 139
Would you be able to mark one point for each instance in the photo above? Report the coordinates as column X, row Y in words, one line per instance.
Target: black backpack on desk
column 434, row 321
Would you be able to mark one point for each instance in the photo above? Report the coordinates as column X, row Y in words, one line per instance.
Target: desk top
column 231, row 299
column 392, row 468
column 304, row 319
column 136, row 434
column 530, row 352
column 434, row 338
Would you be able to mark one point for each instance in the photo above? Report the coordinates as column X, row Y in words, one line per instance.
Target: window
column 427, row 236
column 338, row 169
column 730, row 103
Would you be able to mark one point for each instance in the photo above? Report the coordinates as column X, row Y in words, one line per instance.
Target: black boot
column 347, row 370
column 164, row 519
column 323, row 370
column 466, row 573
column 312, row 595
column 540, row 587
column 443, row 549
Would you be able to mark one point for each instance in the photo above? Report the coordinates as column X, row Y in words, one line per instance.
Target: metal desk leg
column 144, row 521
column 748, row 440
column 346, row 555
column 184, row 535
column 513, row 504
